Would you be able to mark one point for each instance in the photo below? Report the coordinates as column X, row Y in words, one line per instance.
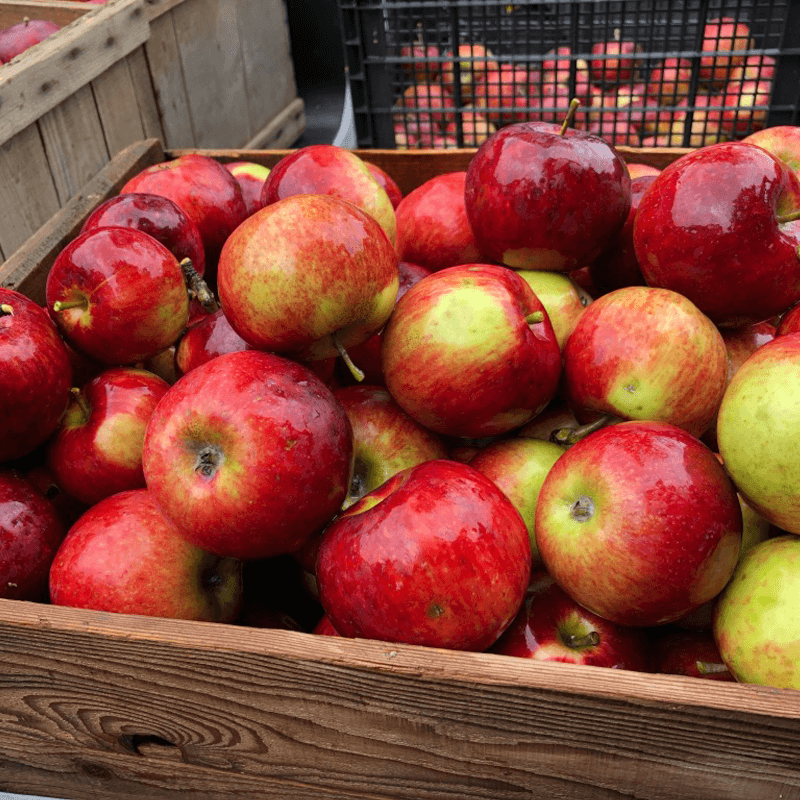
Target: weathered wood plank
column 62, row 12
column 145, row 94
column 43, row 76
column 282, row 130
column 116, row 99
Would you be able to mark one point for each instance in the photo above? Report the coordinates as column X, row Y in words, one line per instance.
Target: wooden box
column 99, row 706
column 193, row 73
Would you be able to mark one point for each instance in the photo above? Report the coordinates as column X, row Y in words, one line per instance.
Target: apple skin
column 755, row 617
column 123, row 555
column 436, row 556
column 328, row 169
column 249, row 454
column 460, row 358
column 551, row 626
column 327, row 270
column 205, row 190
column 669, row 81
column 790, row 322
column 505, row 86
column 637, row 170
column 18, row 38
column 513, row 181
column 614, row 70
column 721, row 34
column 615, row 360
column 325, row 627
column 132, row 295
column 557, row 415
column 518, row 466
column 758, row 423
column 708, row 228
column 639, row 523
column 385, row 439
column 35, row 378
column 206, row 339
column 475, row 61
column 156, row 216
column 388, row 183
column 251, row 177
column 96, row 451
column 31, row 531
column 692, row 653
column 783, row 141
column 432, row 225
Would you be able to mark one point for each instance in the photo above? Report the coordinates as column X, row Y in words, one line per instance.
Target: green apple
column 757, row 616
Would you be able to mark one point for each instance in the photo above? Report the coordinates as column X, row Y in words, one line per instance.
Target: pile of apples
column 625, row 98
column 545, row 407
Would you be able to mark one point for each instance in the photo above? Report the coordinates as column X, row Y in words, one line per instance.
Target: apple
column 436, row 556
column 475, row 127
column 325, row 627
column 474, row 61
column 716, row 226
column 35, row 378
column 615, row 130
column 205, row 190
column 551, row 626
column 556, row 65
column 752, row 102
column 385, row 439
column 432, row 226
column 31, row 531
column 504, row 93
column 669, row 81
column 637, row 170
column 67, row 507
column 427, row 102
column 553, row 104
column 562, row 298
column 537, row 198
column 783, row 141
column 789, row 322
column 755, row 67
column 639, row 523
column 328, row 169
column 308, row 276
column 518, row 466
column 155, row 215
column 96, row 451
column 123, row 555
column 614, row 62
column 117, row 295
column 251, row 177
column 249, row 454
column 388, row 183
column 422, row 64
column 555, row 417
column 722, row 34
column 16, row 39
column 755, row 617
column 692, row 653
column 706, row 122
column 470, row 351
column 207, row 339
column 616, row 360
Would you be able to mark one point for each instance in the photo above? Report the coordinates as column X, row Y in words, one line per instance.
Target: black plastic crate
column 438, row 96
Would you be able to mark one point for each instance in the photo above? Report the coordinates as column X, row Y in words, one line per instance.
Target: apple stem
column 535, row 316
column 710, row 668
column 60, row 305
column 569, row 436
column 198, row 288
column 6, row 309
column 573, row 107
column 789, row 217
column 81, row 401
column 354, row 370
column 591, row 639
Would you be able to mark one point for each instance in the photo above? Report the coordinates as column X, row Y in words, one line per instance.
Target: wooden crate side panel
column 207, row 33
column 267, row 62
column 169, row 84
column 283, row 129
column 28, row 197
column 145, row 95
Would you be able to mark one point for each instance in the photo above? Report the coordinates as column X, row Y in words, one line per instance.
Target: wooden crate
column 193, row 73
column 96, row 706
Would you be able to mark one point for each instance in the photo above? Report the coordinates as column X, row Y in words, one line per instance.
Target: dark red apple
column 208, row 338
column 251, row 178
column 437, row 556
column 18, row 38
column 693, row 653
column 790, row 321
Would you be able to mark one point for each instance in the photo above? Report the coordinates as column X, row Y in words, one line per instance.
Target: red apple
column 157, row 216
column 427, row 102
column 614, row 61
column 555, row 69
column 204, row 189
column 325, row 627
column 388, row 183
column 692, row 653
column 437, row 556
column 752, row 103
column 639, row 523
column 504, row 93
column 669, row 81
column 555, row 417
column 540, row 199
column 463, row 356
column 31, row 531
column 251, row 178
column 96, row 451
column 790, row 321
column 475, row 127
column 123, row 555
column 118, row 295
column 432, row 226
column 722, row 34
column 783, row 141
column 474, row 62
column 35, row 377
column 714, row 226
column 207, row 339
column 249, row 454
column 16, row 39
column 307, row 276
column 637, row 170
column 328, row 169
column 551, row 626
column 616, row 361
column 756, row 67
column 423, row 64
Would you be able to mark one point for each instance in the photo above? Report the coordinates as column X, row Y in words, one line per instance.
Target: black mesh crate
column 674, row 73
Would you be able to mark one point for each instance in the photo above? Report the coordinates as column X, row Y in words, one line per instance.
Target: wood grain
column 117, row 104
column 283, row 129
column 62, row 12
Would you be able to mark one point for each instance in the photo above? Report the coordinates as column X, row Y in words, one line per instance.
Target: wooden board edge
column 282, row 130
column 155, row 8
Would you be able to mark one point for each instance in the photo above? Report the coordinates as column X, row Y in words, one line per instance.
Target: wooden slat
column 45, row 75
column 169, row 83
column 283, row 130
column 155, row 8
column 145, row 94
column 62, row 12
column 116, row 99
column 26, row 269
column 28, row 197
column 211, row 55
